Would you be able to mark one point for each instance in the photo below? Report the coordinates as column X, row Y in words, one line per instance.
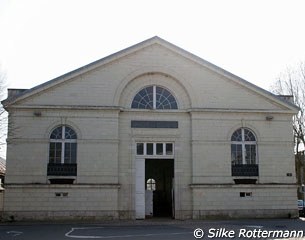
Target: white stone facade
column 95, row 101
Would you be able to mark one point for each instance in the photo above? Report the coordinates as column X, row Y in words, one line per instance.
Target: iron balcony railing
column 245, row 170
column 58, row 169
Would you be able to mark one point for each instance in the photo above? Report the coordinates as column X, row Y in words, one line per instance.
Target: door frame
column 139, row 195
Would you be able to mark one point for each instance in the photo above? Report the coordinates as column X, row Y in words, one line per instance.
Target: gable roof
column 22, row 94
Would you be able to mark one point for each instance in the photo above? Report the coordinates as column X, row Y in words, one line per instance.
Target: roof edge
column 141, row 45
column 80, row 70
column 279, row 99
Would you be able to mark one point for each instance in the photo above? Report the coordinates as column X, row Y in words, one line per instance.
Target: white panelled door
column 140, row 189
column 149, row 203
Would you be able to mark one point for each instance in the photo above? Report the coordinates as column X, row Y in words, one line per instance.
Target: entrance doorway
column 154, row 176
column 159, row 187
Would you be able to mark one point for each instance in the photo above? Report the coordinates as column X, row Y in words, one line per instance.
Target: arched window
column 151, row 184
column 63, row 146
column 154, row 97
column 243, row 147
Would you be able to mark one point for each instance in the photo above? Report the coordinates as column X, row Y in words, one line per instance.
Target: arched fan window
column 244, row 153
column 63, row 145
column 154, row 97
column 243, row 147
column 151, row 184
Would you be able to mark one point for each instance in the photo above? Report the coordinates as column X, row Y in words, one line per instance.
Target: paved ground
column 160, row 229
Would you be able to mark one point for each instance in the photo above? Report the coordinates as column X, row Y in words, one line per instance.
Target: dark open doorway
column 159, row 175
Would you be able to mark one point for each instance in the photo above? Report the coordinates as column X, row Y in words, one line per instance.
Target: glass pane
column 159, row 148
column 149, row 90
column 166, row 93
column 249, row 136
column 141, row 105
column 171, row 99
column 250, row 154
column 163, row 104
column 174, row 105
column 236, row 154
column 67, row 153
column 140, row 148
column 149, row 148
column 146, row 99
column 69, row 133
column 142, row 93
column 137, row 98
column 169, row 149
column 151, row 184
column 150, row 94
column 164, row 99
column 166, row 105
column 134, row 104
column 159, row 90
column 149, row 105
column 160, row 98
column 58, row 150
column 52, row 153
column 57, row 133
column 70, row 153
column 55, row 153
column 143, row 99
column 236, row 136
column 73, row 152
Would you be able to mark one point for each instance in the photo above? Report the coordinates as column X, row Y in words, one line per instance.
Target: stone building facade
column 152, row 130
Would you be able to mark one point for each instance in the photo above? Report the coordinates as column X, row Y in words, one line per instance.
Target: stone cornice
column 62, row 186
column 66, row 107
column 121, row 109
column 232, row 185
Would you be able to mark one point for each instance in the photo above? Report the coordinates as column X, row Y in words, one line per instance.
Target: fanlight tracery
column 154, row 97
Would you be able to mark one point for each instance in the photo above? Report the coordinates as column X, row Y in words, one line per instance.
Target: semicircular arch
column 58, row 123
column 246, row 126
column 130, row 85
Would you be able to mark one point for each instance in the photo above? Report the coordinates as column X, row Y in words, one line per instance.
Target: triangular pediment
column 208, row 86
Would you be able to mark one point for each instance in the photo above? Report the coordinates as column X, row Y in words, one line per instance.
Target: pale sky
column 255, row 40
